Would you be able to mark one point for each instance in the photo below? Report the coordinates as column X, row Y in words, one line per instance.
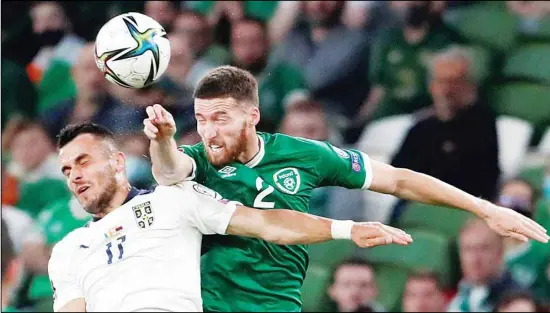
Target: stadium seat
column 514, row 136
column 482, row 60
column 433, row 218
column 314, row 288
column 429, row 251
column 391, row 281
column 534, row 175
column 544, row 145
column 484, row 24
column 329, row 253
column 384, row 136
column 530, row 102
column 529, row 62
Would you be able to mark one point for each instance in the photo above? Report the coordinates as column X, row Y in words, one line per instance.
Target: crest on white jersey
column 288, row 180
column 143, row 214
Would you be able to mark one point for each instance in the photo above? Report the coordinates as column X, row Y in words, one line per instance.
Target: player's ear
column 120, row 162
column 254, row 116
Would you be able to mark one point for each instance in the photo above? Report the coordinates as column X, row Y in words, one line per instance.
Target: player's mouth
column 215, row 148
column 80, row 190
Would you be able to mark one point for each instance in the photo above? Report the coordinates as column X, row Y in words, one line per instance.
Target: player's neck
column 252, row 148
column 118, row 200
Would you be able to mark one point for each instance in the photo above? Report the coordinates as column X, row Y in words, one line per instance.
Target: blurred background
column 459, row 90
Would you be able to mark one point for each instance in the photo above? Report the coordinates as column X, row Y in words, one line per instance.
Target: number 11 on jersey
column 120, row 240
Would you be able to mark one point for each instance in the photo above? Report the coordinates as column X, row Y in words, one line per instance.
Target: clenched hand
column 159, row 125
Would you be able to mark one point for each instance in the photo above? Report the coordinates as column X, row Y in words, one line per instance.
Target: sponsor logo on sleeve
column 355, row 162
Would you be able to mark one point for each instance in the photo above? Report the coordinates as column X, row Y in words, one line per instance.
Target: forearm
column 170, row 166
column 283, row 227
column 419, row 187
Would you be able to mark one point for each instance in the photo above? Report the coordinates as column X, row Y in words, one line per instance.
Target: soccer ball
column 132, row 50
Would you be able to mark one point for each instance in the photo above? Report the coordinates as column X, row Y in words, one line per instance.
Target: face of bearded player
column 225, row 127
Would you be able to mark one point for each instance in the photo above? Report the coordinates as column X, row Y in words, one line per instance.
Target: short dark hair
column 252, row 20
column 70, row 132
column 353, row 261
column 425, row 275
column 8, row 251
column 516, row 294
column 228, row 81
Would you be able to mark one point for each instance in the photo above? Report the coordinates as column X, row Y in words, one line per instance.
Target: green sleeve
column 347, row 168
column 196, row 152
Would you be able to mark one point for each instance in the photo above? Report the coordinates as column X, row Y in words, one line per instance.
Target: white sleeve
column 64, row 283
column 206, row 209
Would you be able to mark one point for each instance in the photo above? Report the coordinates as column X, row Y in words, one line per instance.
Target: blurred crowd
column 459, row 90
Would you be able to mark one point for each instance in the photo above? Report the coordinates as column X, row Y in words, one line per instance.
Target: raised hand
column 160, row 124
column 371, row 234
column 509, row 223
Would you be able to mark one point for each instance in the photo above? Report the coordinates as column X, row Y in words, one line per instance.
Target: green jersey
column 246, row 274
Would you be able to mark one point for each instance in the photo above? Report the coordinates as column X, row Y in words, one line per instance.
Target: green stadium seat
column 530, row 102
column 329, row 253
column 443, row 220
column 314, row 288
column 485, row 24
column 429, row 251
column 529, row 62
column 391, row 281
column 534, row 175
column 482, row 62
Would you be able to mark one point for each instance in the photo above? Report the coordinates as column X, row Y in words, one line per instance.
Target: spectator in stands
column 33, row 153
column 164, row 12
column 10, row 269
column 456, row 140
column 399, row 59
column 526, row 261
column 484, row 278
column 332, row 58
column 34, row 168
column 307, row 119
column 184, row 71
column 19, row 95
column 93, row 101
column 195, row 27
column 279, row 84
column 54, row 32
column 353, row 287
column 517, row 302
column 423, row 293
column 530, row 14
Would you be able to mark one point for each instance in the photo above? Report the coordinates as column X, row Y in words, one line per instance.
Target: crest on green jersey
column 288, row 180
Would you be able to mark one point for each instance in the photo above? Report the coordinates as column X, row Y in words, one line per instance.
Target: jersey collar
column 259, row 156
column 134, row 192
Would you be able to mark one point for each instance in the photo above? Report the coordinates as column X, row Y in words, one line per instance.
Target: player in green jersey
column 277, row 171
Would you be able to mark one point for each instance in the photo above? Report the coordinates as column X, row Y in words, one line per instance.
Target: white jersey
column 143, row 256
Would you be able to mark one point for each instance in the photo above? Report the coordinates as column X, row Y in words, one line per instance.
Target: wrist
column 341, row 229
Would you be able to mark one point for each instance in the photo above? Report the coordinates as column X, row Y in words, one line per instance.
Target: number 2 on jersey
column 259, row 200
column 121, row 240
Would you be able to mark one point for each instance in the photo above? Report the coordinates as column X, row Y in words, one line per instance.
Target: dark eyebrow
column 78, row 159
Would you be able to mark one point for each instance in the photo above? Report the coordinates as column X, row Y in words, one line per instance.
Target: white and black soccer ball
column 132, row 50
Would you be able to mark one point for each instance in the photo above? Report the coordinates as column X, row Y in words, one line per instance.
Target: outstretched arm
column 170, row 166
column 286, row 227
column 414, row 186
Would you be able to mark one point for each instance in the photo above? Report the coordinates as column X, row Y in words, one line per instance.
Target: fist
column 371, row 234
column 159, row 124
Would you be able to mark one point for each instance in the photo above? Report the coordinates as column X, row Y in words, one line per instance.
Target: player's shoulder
column 292, row 144
column 189, row 188
column 63, row 249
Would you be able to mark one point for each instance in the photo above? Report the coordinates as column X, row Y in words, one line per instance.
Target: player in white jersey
column 141, row 252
